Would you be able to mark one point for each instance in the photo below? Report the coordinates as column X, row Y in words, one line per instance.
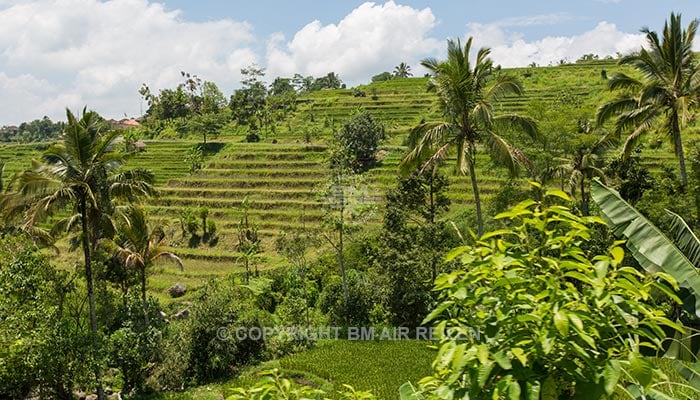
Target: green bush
column 272, row 385
column 361, row 299
column 213, row 348
column 357, row 142
column 133, row 347
column 42, row 346
column 531, row 315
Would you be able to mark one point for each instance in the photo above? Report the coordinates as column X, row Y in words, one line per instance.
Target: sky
column 58, row 54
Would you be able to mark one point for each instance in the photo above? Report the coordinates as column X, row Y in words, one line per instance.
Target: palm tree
column 583, row 166
column 402, row 70
column 81, row 173
column 666, row 92
column 467, row 94
column 333, row 81
column 140, row 245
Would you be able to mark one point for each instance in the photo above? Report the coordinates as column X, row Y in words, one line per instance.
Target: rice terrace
column 207, row 201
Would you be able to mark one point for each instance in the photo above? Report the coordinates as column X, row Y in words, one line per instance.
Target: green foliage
column 210, row 339
column 650, row 247
column 402, row 70
column 360, row 301
column 134, row 347
column 664, row 98
column 467, row 95
column 633, row 179
column 248, row 103
column 41, row 345
column 384, row 76
column 272, row 385
column 357, row 142
column 38, row 130
column 411, row 245
column 532, row 315
column 194, row 158
column 328, row 81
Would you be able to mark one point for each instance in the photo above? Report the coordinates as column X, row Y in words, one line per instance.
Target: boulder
column 177, row 290
column 182, row 314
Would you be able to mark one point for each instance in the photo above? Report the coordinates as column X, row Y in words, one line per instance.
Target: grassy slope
column 379, row 366
column 279, row 179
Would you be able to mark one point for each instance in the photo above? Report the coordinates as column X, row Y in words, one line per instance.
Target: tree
column 357, row 141
column 381, row 77
column 212, row 98
column 412, row 244
column 665, row 94
column 467, row 95
column 82, row 173
column 532, row 315
column 585, row 164
column 294, row 246
column 402, row 70
column 329, row 81
column 248, row 241
column 140, row 245
column 302, row 84
column 346, row 206
column 249, row 101
column 281, row 86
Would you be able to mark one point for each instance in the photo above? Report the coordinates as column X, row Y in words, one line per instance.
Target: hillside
column 279, row 178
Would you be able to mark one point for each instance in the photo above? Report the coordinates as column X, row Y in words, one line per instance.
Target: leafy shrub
column 134, row 347
column 43, row 347
column 194, row 158
column 222, row 305
column 357, row 142
column 252, row 137
column 530, row 315
column 361, row 296
column 356, row 92
column 272, row 385
column 132, row 351
column 211, row 229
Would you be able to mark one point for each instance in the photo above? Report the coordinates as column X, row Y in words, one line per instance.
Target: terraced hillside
column 403, row 103
column 279, row 179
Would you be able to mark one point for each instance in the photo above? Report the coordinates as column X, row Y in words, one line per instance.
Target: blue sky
column 270, row 16
column 72, row 53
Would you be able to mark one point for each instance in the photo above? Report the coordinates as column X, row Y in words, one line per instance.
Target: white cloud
column 371, row 39
column 532, row 20
column 71, row 53
column 510, row 49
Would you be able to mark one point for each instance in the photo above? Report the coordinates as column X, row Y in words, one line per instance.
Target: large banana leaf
column 684, row 238
column 653, row 250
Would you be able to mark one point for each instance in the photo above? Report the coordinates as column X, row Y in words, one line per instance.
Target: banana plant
column 652, row 248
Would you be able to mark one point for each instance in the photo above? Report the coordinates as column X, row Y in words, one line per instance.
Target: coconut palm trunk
column 678, row 146
column 471, row 161
column 85, row 240
column 143, row 296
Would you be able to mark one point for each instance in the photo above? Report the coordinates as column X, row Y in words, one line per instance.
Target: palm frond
column 423, row 142
column 438, row 157
column 505, row 85
column 502, row 153
column 622, row 81
column 614, row 108
column 519, row 123
column 172, row 257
